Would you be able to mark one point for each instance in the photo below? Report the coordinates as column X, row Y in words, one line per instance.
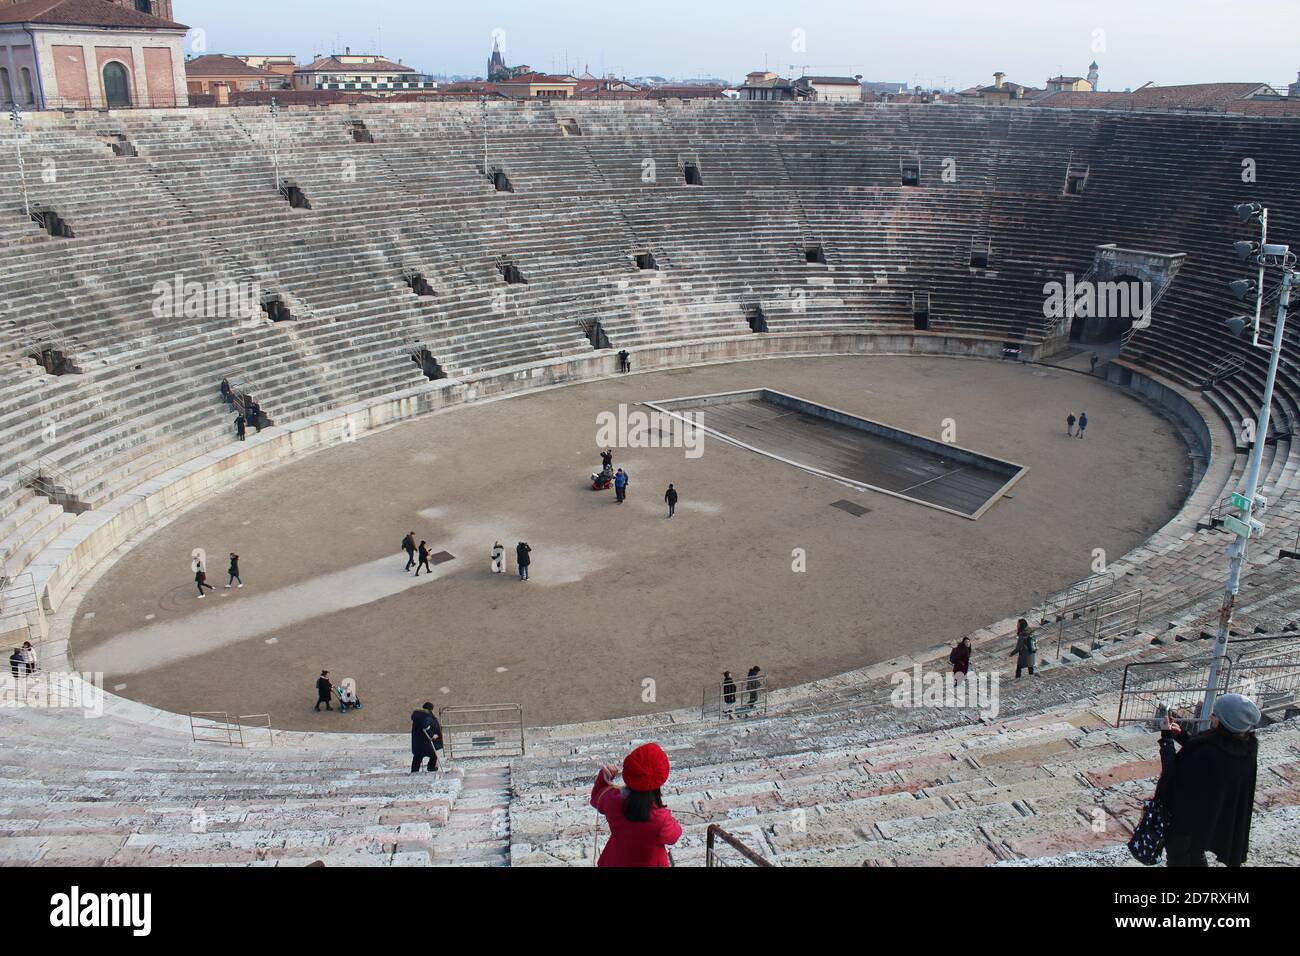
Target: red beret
column 646, row 768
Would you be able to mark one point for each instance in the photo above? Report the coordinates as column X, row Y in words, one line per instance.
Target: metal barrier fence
column 1076, row 596
column 1108, row 617
column 713, row 858
column 218, row 727
column 488, row 730
column 745, row 697
column 1266, row 669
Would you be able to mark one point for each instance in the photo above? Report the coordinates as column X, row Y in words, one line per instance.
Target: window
column 25, row 87
column 144, row 6
column 6, row 90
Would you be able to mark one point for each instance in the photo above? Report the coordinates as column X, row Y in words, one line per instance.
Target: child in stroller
column 347, row 691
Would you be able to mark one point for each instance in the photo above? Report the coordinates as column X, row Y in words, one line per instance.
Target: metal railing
column 218, row 727
column 1076, row 596
column 712, row 857
column 1266, row 669
column 1223, row 370
column 488, row 730
column 1111, row 616
column 748, row 699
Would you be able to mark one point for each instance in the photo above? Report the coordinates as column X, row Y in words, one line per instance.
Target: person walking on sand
column 1083, row 422
column 324, row 691
column 620, row 485
column 201, row 581
column 1069, row 424
column 234, row 571
column 408, row 545
column 523, row 558
column 670, row 496
column 641, row 827
column 424, row 559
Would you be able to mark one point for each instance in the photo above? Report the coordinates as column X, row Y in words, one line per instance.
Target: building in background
column 90, row 54
column 282, row 65
column 538, row 86
column 219, row 71
column 1001, row 93
column 831, row 89
column 766, row 86
column 360, row 73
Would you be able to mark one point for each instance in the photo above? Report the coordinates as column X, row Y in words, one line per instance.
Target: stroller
column 347, row 694
column 603, row 481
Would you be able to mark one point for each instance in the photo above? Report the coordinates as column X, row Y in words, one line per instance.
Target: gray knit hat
column 1236, row 713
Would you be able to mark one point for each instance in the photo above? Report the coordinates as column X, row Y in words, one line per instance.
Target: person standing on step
column 523, row 558
column 1083, row 422
column 1207, row 784
column 670, row 496
column 424, row 559
column 226, row 396
column 1069, row 424
column 959, row 657
column 324, row 691
column 408, row 545
column 641, row 828
column 201, row 581
column 1092, row 360
column 1026, row 652
column 17, row 666
column 234, row 571
column 620, row 485
column 498, row 564
column 728, row 695
column 624, row 361
column 29, row 657
column 241, row 427
column 426, row 738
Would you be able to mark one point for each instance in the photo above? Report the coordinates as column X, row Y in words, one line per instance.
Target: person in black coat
column 426, row 738
column 324, row 690
column 226, row 396
column 424, row 559
column 201, row 581
column 17, row 664
column 523, row 559
column 1207, row 785
column 241, row 427
column 728, row 695
column 408, row 545
column 670, row 496
column 234, row 571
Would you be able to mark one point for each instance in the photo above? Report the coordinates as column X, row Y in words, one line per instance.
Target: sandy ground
column 619, row 596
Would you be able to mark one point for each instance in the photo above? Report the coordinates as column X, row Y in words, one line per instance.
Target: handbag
column 1148, row 840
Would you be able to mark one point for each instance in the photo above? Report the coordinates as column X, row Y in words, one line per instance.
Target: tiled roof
column 83, row 13
column 222, row 64
column 1194, row 96
column 1077, row 99
column 538, row 78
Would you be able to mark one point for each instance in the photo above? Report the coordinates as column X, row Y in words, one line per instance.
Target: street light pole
column 17, row 117
column 1237, row 550
column 483, row 103
column 275, row 141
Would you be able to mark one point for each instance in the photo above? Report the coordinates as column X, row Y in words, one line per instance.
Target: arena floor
column 619, row 594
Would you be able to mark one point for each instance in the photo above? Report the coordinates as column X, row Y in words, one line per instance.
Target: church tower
column 1094, row 78
column 497, row 64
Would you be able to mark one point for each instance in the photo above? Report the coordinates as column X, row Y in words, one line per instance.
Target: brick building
column 90, row 54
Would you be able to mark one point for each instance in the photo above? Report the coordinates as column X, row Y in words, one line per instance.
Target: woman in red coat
column 640, row 826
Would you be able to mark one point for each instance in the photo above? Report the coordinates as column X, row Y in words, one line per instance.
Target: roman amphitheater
column 850, row 296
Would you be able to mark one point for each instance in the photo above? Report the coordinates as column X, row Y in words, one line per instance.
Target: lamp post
column 483, row 102
column 275, row 140
column 17, row 117
column 1248, row 501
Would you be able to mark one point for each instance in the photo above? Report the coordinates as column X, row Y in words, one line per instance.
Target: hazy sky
column 934, row 42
